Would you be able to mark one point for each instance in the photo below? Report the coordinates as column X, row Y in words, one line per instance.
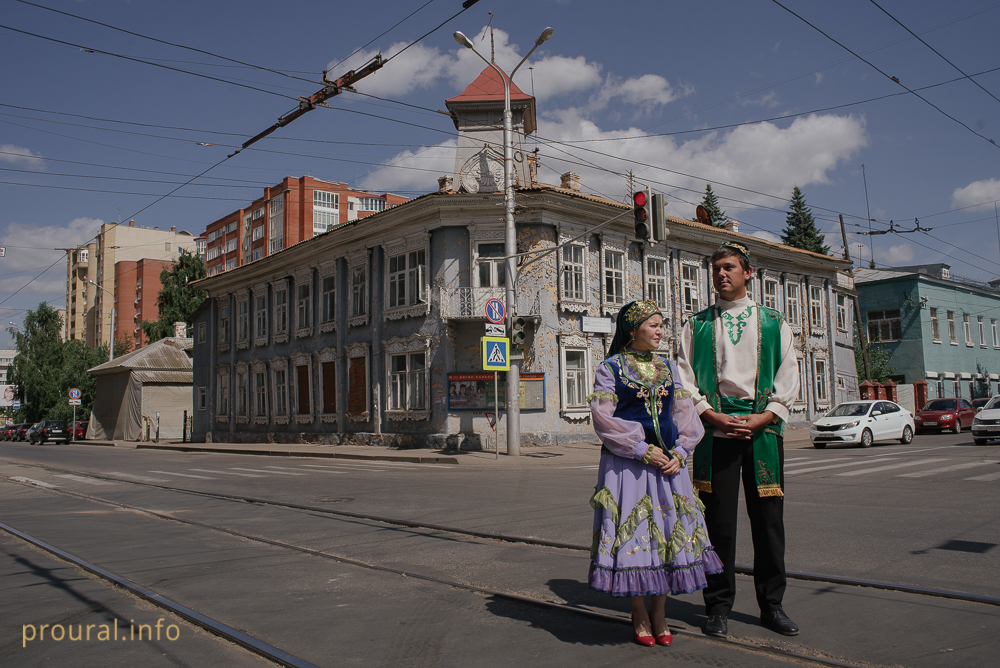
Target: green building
column 938, row 327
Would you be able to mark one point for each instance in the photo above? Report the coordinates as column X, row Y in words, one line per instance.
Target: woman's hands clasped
column 667, row 465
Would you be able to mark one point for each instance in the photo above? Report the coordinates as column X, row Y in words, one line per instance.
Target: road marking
column 812, row 461
column 956, row 467
column 351, row 468
column 242, row 475
column 137, row 477
column 32, row 481
column 891, row 466
column 183, row 475
column 989, row 477
column 236, row 468
column 839, row 466
column 795, row 459
column 80, row 478
column 588, row 466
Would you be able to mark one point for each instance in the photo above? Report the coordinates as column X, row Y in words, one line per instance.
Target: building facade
column 292, row 211
column 938, row 329
column 121, row 262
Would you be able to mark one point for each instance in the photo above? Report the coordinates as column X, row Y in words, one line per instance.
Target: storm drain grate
column 967, row 546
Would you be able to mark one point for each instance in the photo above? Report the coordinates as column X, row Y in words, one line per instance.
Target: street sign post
column 495, row 311
column 74, row 401
column 496, row 353
column 495, row 330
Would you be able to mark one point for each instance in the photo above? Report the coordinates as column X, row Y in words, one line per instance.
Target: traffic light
column 517, row 333
column 640, row 199
column 659, row 222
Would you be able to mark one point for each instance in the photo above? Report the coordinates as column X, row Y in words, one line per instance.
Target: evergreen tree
column 716, row 215
column 800, row 227
column 178, row 299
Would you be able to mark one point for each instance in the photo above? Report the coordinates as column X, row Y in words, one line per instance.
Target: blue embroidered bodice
column 648, row 402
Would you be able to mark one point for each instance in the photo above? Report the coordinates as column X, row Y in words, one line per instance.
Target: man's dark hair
column 727, row 252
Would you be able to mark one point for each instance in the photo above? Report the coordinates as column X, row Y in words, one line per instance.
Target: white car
column 986, row 424
column 862, row 423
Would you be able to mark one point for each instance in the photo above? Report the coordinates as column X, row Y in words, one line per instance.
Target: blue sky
column 692, row 84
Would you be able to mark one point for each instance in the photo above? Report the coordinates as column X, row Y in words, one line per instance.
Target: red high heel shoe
column 665, row 639
column 645, row 641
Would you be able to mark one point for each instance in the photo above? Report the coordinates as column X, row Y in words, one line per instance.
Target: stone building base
column 392, row 440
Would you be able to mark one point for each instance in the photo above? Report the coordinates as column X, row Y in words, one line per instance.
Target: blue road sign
column 496, row 353
column 495, row 311
column 74, row 393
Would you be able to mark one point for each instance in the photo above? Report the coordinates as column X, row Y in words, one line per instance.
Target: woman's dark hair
column 728, row 252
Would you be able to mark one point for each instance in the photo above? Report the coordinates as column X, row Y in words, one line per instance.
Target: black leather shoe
column 777, row 620
column 717, row 625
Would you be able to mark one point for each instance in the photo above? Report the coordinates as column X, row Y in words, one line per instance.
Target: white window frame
column 415, row 277
column 280, row 396
column 222, row 394
column 801, row 397
column 821, row 387
column 769, row 294
column 817, row 308
column 360, row 293
column 398, row 346
column 935, row 325
column 223, row 335
column 996, row 333
column 690, row 288
column 327, row 287
column 613, row 247
column 496, row 264
column 575, row 342
column 842, row 313
column 982, row 331
column 258, row 233
column 303, row 304
column 260, row 330
column 277, row 223
column 657, row 287
column 793, row 303
column 231, row 245
column 242, row 320
column 280, row 310
column 952, row 331
column 967, row 327
column 573, row 270
column 242, row 394
column 326, row 211
column 260, row 399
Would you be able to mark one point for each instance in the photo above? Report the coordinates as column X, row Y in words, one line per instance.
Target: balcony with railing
column 470, row 303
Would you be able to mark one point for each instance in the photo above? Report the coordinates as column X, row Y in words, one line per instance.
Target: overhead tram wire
column 886, row 75
column 957, row 68
column 372, row 41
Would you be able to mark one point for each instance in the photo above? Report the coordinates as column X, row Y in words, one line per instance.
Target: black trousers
column 732, row 460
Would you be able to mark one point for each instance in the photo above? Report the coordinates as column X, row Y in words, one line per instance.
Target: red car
column 945, row 414
column 7, row 433
column 77, row 430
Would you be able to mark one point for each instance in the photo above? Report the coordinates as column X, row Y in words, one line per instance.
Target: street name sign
column 496, row 353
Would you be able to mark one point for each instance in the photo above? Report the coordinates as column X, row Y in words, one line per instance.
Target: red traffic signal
column 641, row 213
column 640, row 198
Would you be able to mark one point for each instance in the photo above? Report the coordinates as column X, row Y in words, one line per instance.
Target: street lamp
column 510, row 245
column 111, row 346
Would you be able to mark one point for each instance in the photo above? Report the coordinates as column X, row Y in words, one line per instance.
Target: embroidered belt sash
column 767, row 469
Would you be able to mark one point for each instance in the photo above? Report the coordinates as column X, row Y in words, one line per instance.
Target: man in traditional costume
column 737, row 359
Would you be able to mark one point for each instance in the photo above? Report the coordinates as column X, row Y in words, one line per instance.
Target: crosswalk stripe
column 839, row 466
column 183, row 475
column 345, row 469
column 32, row 481
column 80, row 478
column 989, row 477
column 237, row 468
column 242, row 475
column 136, row 477
column 892, row 466
column 795, row 459
column 807, row 462
column 945, row 469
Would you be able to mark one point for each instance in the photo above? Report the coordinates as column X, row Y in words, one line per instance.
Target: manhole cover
column 343, row 499
column 967, row 546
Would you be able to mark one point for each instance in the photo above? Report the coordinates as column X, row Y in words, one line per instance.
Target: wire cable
column 362, row 48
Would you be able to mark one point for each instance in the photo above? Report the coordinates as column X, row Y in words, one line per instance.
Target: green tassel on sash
column 765, row 442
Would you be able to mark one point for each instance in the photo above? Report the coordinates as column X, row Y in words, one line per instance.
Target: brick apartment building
column 292, row 211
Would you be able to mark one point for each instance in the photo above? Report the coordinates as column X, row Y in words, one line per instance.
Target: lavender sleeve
column 690, row 429
column 622, row 437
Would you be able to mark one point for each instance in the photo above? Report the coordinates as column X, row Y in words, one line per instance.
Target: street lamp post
column 510, row 243
column 111, row 346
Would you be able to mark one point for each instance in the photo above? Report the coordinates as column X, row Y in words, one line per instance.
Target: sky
column 877, row 112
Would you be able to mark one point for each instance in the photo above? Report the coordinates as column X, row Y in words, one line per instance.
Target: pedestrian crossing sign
column 496, row 353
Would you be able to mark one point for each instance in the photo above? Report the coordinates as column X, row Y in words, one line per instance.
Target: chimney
column 445, row 184
column 732, row 225
column 174, row 230
column 570, row 181
column 180, row 330
column 131, row 223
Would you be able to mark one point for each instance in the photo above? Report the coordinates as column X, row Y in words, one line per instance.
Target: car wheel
column 866, row 439
column 907, row 435
column 818, row 445
column 958, row 426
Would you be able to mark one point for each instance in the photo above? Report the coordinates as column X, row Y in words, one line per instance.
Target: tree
column 879, row 359
column 178, row 299
column 800, row 227
column 716, row 215
column 38, row 365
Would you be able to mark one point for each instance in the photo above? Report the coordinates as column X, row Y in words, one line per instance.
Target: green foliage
column 178, row 299
column 800, row 227
column 879, row 362
column 46, row 368
column 716, row 215
column 982, row 381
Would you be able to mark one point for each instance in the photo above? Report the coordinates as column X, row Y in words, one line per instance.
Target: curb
column 418, row 459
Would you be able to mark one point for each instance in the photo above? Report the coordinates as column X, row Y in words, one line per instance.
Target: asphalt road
column 922, row 514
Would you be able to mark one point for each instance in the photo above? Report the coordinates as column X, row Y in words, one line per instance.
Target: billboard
column 7, row 395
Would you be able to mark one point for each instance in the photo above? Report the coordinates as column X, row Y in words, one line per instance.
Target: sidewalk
column 565, row 455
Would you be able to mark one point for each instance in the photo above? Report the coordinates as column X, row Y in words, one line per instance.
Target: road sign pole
column 496, row 407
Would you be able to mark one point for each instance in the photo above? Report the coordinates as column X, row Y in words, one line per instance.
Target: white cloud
column 899, row 254
column 558, row 75
column 419, row 67
column 766, row 236
column 645, row 92
column 409, row 170
column 22, row 157
column 977, row 194
column 30, row 249
column 769, row 100
column 819, row 78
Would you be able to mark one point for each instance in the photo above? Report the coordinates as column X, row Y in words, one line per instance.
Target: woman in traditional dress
column 649, row 533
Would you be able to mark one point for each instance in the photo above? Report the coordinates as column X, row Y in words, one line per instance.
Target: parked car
column 986, row 425
column 50, row 431
column 945, row 414
column 980, row 404
column 77, row 430
column 22, row 431
column 8, row 432
column 863, row 423
column 29, row 433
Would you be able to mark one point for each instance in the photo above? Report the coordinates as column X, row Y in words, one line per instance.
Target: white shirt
column 737, row 361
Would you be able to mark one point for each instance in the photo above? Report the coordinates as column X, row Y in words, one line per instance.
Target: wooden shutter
column 329, row 387
column 302, row 373
column 357, row 400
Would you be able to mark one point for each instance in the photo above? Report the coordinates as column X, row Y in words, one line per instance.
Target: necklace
column 737, row 323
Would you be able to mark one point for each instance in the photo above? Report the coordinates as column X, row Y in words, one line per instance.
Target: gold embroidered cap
column 641, row 310
column 739, row 248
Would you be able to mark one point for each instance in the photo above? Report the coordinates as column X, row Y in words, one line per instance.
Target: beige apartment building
column 120, row 260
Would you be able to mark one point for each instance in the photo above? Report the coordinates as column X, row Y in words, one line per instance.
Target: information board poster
column 474, row 391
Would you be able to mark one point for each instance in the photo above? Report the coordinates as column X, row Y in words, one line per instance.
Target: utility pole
column 857, row 307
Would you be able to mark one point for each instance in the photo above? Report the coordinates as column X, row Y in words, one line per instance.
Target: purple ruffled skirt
column 649, row 532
